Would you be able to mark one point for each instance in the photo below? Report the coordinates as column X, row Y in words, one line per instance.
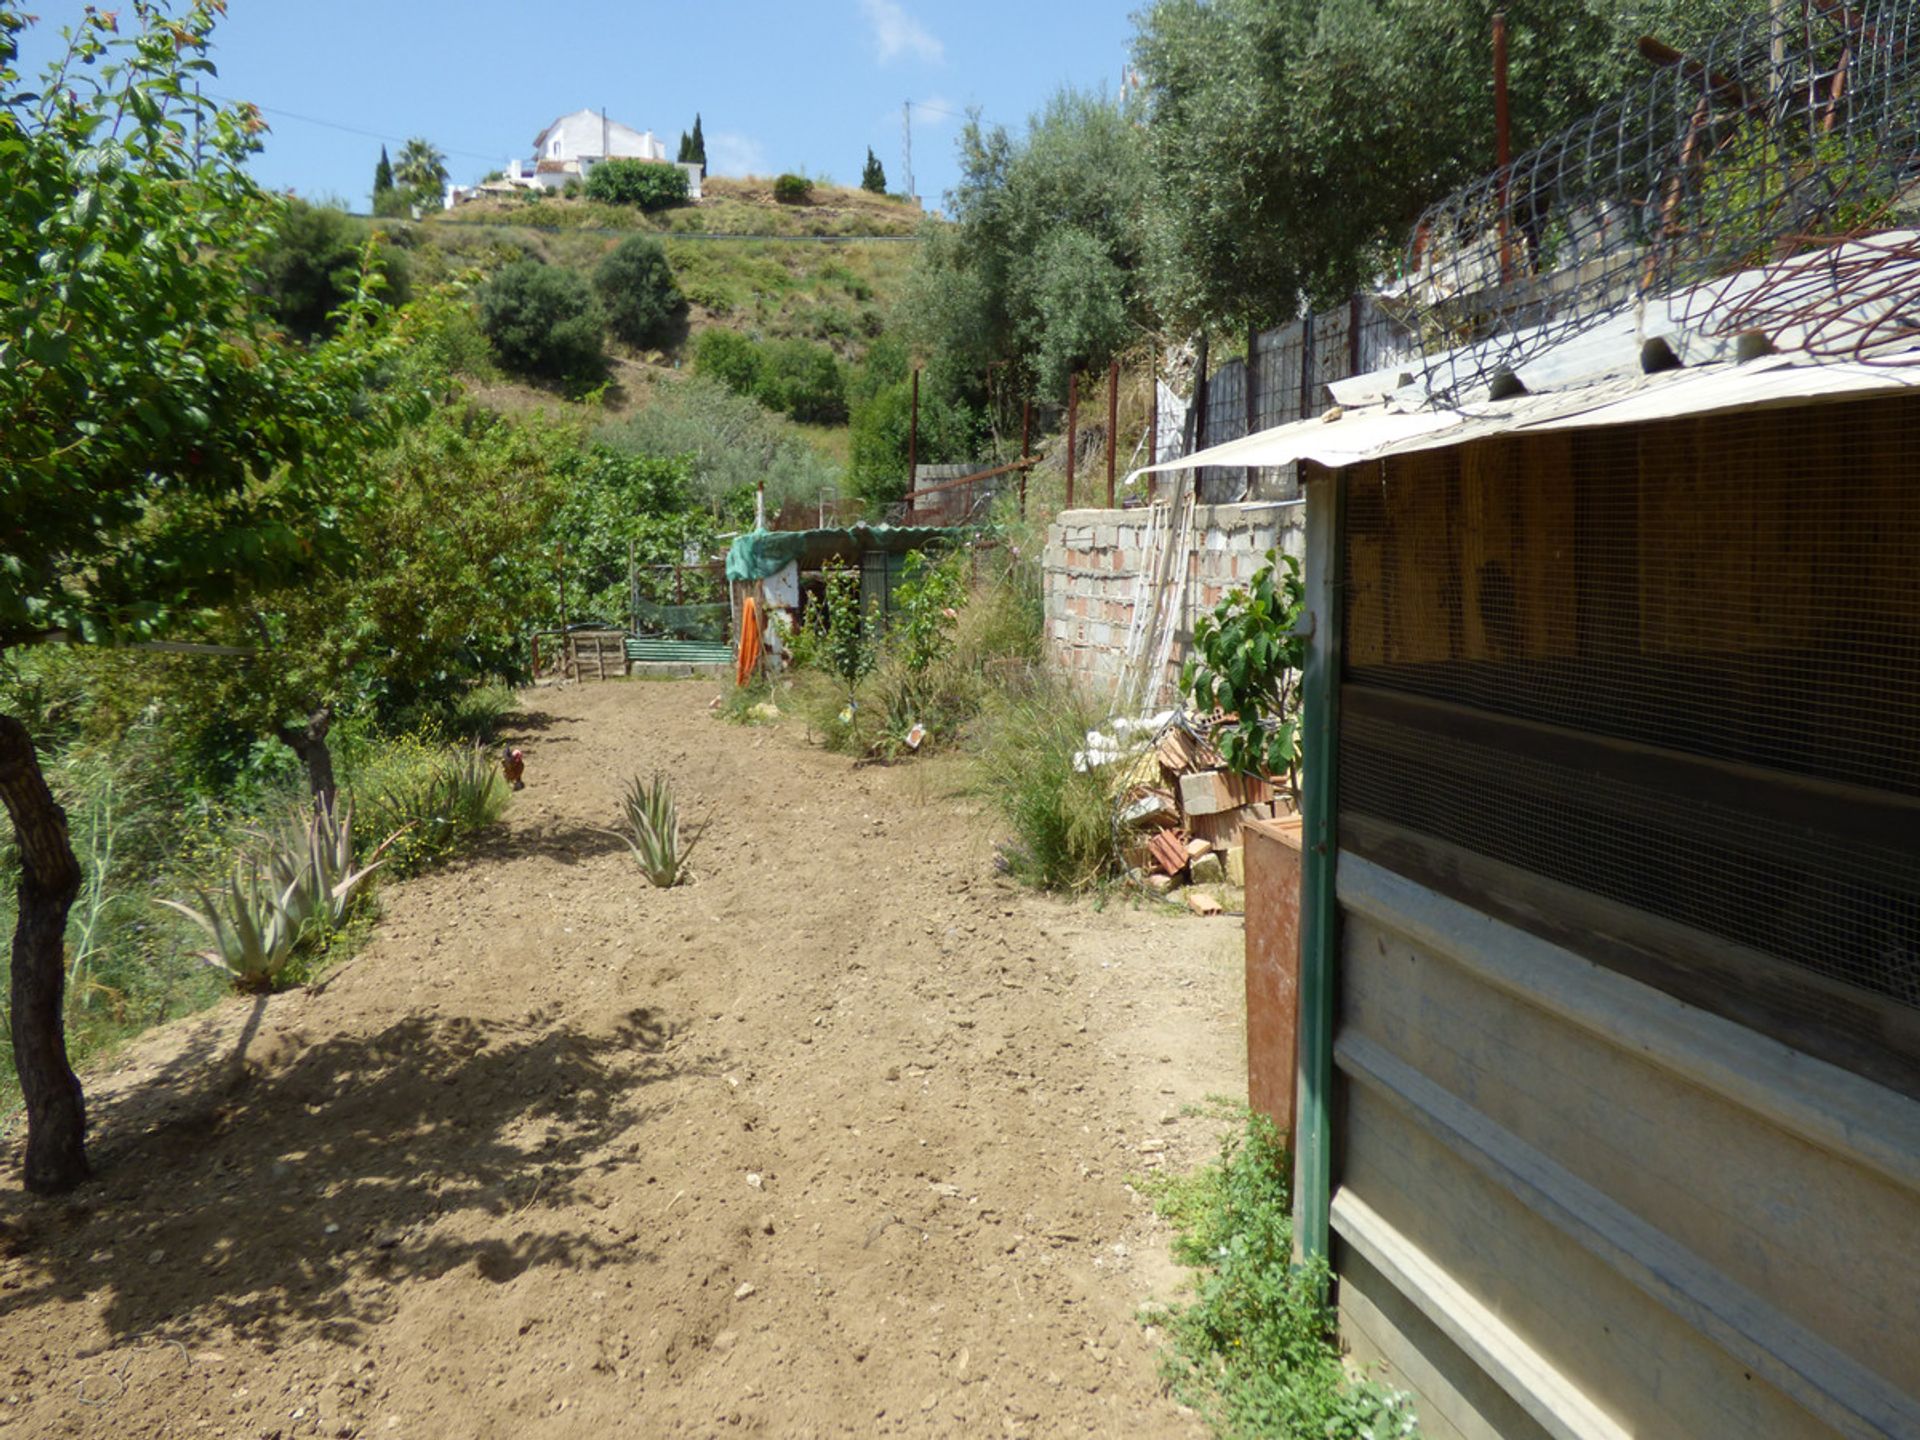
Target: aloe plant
column 260, row 920
column 253, row 935
column 653, row 831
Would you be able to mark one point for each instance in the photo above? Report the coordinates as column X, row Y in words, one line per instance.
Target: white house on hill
column 571, row 146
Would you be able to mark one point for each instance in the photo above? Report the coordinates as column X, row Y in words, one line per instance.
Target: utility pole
column 906, row 144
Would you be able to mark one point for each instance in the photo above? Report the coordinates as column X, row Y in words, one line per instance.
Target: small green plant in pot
column 653, row 831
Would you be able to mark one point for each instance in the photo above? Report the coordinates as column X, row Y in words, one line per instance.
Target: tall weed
column 1062, row 817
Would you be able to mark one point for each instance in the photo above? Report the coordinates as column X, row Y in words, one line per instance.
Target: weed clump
column 1255, row 1351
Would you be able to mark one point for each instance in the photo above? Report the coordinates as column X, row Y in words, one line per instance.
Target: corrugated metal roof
column 1373, row 432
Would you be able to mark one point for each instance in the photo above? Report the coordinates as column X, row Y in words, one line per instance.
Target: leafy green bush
column 543, row 322
column 312, row 268
column 728, row 357
column 636, row 289
column 1255, row 1351
column 801, row 379
column 792, row 189
column 476, row 715
column 647, row 183
column 789, row 377
column 877, row 464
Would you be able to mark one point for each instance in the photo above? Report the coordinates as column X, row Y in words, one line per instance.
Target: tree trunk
column 49, row 879
column 310, row 744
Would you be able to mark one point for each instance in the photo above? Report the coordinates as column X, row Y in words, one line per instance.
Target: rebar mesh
column 1675, row 669
column 1795, row 126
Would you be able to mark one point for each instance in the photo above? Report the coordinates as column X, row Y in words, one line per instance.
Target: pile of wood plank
column 1182, row 811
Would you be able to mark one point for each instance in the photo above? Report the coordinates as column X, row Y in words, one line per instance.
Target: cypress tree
column 686, row 149
column 382, row 175
column 697, row 153
column 874, row 176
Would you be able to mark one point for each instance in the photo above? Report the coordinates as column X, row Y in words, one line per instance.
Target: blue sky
column 804, row 85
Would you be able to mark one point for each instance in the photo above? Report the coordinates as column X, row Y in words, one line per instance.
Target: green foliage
column 430, row 801
column 792, row 189
column 1035, row 220
column 382, row 175
column 1255, row 1350
column 543, row 322
column 1247, row 661
column 693, row 148
column 315, row 265
column 927, row 605
column 652, row 819
column 476, row 715
column 617, row 502
column 162, row 451
column 729, row 443
column 788, row 377
column 1277, row 170
column 873, row 175
column 648, row 184
column 1062, row 816
column 637, row 291
column 877, row 461
column 837, row 635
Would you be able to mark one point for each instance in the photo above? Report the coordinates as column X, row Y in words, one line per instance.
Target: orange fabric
column 748, row 659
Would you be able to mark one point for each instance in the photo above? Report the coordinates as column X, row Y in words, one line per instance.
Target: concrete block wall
column 1093, row 562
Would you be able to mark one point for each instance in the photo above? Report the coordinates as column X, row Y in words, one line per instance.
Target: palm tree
column 421, row 166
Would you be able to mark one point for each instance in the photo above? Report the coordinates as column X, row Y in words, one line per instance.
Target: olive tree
column 162, row 452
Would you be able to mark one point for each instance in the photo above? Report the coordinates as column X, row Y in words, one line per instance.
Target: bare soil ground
column 832, row 1141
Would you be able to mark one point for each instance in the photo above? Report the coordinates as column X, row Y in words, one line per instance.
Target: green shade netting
column 761, row 553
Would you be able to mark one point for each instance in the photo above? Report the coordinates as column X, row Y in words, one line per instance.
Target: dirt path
column 832, row 1141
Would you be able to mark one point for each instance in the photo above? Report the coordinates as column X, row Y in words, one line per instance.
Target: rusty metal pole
column 1502, row 138
column 1113, row 423
column 1026, row 449
column 913, row 442
column 1073, row 429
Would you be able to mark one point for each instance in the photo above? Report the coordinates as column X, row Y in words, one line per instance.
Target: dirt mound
column 832, row 1141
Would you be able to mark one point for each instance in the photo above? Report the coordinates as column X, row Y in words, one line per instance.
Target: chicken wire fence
column 1797, row 125
column 1656, row 693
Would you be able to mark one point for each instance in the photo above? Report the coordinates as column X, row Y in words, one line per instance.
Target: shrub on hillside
column 636, row 289
column 313, row 268
column 543, row 322
column 793, row 189
column 647, row 183
column 801, row 379
column 877, row 462
column 728, row 357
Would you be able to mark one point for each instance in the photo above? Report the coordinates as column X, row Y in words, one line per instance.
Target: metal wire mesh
column 1796, row 124
column 1677, row 670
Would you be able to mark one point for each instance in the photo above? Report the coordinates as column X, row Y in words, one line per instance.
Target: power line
column 346, row 129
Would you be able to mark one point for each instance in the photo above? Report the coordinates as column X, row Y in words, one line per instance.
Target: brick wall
column 1093, row 561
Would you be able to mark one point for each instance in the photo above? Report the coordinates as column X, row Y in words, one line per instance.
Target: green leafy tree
column 728, row 357
column 637, row 290
column 1034, row 219
column 801, row 379
column 382, row 176
column 314, row 267
column 873, row 176
column 162, row 454
column 1282, row 169
column 543, row 322
column 645, row 183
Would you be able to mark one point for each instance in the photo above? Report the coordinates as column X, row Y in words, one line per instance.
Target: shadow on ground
column 281, row 1189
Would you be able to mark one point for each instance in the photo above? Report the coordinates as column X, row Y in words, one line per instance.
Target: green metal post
column 1319, row 907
